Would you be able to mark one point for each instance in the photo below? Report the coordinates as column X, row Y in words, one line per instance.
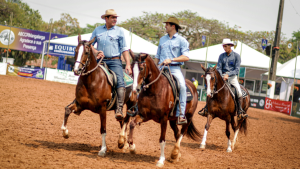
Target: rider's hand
column 128, row 69
column 225, row 77
column 100, row 54
column 167, row 61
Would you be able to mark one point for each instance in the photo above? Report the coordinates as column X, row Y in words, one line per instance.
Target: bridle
column 88, row 60
column 215, row 84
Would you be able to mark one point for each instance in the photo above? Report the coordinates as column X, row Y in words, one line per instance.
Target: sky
column 254, row 15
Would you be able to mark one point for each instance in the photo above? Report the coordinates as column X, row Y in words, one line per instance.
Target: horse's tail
column 244, row 126
column 193, row 133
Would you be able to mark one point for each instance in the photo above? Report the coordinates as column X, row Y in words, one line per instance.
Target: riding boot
column 203, row 111
column 241, row 113
column 120, row 103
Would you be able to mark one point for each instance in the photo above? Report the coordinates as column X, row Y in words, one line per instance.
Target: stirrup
column 181, row 122
column 131, row 113
column 203, row 112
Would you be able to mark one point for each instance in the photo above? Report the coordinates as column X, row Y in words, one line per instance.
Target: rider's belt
column 111, row 58
column 174, row 64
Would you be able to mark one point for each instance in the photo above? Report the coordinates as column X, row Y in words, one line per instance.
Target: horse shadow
column 92, row 151
column 294, row 120
column 195, row 145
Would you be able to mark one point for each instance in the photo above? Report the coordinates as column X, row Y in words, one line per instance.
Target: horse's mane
column 152, row 61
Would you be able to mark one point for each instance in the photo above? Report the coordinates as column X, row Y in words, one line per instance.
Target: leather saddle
column 234, row 95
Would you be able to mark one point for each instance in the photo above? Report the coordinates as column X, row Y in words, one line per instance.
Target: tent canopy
column 137, row 43
column 249, row 56
column 288, row 68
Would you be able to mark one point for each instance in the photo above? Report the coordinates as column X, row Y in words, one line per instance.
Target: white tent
column 136, row 43
column 249, row 56
column 288, row 68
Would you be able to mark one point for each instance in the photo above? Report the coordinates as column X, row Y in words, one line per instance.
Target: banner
column 289, row 47
column 3, row 67
column 296, row 110
column 264, row 43
column 57, row 49
column 277, row 105
column 257, row 102
column 35, row 73
column 62, row 76
column 203, row 40
column 25, row 39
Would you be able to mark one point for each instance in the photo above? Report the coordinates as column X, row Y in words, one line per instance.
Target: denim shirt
column 172, row 48
column 229, row 64
column 111, row 42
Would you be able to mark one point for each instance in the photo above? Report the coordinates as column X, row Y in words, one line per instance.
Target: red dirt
column 32, row 113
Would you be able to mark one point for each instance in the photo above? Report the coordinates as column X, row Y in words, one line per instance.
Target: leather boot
column 120, row 102
column 241, row 113
column 203, row 111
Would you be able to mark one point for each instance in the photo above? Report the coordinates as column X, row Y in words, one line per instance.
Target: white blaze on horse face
column 208, row 77
column 135, row 76
column 76, row 67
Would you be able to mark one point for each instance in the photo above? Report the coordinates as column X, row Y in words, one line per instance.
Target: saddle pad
column 189, row 95
column 127, row 79
column 108, row 75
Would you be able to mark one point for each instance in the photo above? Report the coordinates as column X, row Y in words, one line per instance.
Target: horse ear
column 79, row 37
column 92, row 41
column 215, row 67
column 143, row 56
column 203, row 67
column 131, row 53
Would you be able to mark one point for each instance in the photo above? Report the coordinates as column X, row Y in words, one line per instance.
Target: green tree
column 66, row 25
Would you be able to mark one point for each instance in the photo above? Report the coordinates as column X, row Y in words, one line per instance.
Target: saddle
column 112, row 79
column 176, row 89
column 234, row 95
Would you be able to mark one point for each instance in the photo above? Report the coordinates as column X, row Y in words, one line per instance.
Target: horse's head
column 139, row 70
column 210, row 79
column 82, row 54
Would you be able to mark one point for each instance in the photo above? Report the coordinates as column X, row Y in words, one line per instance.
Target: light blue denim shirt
column 111, row 42
column 172, row 48
column 229, row 64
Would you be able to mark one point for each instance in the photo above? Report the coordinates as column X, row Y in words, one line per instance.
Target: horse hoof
column 202, row 146
column 228, row 150
column 175, row 153
column 102, row 153
column 132, row 149
column 121, row 141
column 159, row 164
column 65, row 134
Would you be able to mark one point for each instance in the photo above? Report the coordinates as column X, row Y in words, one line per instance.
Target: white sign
column 3, row 67
column 62, row 76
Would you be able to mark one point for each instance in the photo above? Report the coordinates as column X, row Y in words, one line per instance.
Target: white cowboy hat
column 227, row 42
column 109, row 12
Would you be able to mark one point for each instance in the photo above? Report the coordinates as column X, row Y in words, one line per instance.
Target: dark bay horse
column 221, row 104
column 93, row 92
column 156, row 103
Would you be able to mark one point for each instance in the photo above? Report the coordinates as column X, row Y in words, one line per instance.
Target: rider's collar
column 104, row 26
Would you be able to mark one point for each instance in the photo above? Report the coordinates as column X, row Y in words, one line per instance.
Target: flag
column 235, row 42
column 203, row 40
column 264, row 43
column 289, row 46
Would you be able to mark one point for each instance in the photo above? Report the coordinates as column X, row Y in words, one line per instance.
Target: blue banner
column 58, row 49
column 203, row 40
column 264, row 43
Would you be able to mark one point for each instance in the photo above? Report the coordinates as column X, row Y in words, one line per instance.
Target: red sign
column 278, row 105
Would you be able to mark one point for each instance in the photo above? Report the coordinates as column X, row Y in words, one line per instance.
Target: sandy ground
column 32, row 112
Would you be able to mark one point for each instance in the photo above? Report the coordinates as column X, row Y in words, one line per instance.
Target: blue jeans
column 176, row 71
column 116, row 66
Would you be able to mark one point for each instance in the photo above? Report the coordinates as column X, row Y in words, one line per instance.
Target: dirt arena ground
column 32, row 111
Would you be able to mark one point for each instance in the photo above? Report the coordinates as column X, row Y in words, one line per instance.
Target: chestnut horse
column 221, row 104
column 93, row 92
column 156, row 103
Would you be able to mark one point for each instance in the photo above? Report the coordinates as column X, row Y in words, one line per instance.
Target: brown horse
column 93, row 91
column 221, row 104
column 156, row 103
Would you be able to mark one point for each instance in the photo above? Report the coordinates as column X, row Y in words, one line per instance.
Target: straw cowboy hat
column 227, row 42
column 109, row 12
column 173, row 20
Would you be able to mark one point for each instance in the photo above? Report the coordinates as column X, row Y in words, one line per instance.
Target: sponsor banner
column 296, row 110
column 278, row 105
column 35, row 73
column 57, row 49
column 3, row 67
column 25, row 39
column 62, row 76
column 257, row 102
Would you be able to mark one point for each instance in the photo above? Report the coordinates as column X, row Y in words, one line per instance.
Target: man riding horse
column 173, row 50
column 111, row 45
column 229, row 66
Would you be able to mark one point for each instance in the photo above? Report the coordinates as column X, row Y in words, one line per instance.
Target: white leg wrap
column 204, row 137
column 229, row 146
column 123, row 130
column 179, row 140
column 162, row 152
column 102, row 152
